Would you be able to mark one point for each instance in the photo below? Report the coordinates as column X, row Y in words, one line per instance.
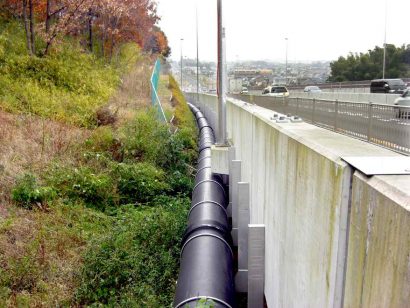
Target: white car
column 244, row 91
column 403, row 100
column 277, row 91
column 312, row 89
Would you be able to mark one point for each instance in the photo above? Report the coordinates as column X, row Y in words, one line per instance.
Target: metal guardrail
column 380, row 124
column 156, row 102
column 342, row 85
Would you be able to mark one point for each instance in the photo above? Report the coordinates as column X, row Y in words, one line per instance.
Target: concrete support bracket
column 256, row 266
column 235, row 178
column 231, row 156
column 241, row 279
column 220, row 159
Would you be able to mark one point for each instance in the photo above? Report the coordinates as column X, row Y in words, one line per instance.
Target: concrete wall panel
column 296, row 191
column 378, row 267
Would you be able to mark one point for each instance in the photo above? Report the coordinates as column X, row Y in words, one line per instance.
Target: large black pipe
column 206, row 269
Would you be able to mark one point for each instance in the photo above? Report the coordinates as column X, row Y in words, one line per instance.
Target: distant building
column 235, row 85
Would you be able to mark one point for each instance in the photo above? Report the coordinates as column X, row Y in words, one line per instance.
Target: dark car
column 395, row 86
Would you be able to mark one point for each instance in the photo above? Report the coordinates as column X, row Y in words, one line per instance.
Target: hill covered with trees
column 369, row 65
column 102, row 24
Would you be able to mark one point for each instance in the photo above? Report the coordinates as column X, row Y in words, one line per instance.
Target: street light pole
column 197, row 56
column 221, row 140
column 181, row 62
column 286, row 65
column 385, row 34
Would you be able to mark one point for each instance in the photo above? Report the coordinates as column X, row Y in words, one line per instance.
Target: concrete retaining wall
column 303, row 192
column 378, row 267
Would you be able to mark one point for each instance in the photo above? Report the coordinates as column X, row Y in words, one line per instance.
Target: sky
column 317, row 30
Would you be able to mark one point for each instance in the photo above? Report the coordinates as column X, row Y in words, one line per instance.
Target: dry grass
column 165, row 95
column 40, row 252
column 28, row 144
column 133, row 94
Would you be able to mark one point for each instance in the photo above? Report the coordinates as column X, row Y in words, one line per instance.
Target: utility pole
column 221, row 139
column 286, row 65
column 197, row 56
column 181, row 62
column 385, row 34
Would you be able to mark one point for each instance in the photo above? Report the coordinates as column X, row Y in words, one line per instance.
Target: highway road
column 376, row 123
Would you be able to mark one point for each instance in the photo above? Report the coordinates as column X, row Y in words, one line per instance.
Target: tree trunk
column 32, row 33
column 112, row 47
column 48, row 16
column 26, row 28
column 90, row 30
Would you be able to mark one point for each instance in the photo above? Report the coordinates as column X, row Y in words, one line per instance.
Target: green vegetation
column 100, row 219
column 68, row 85
column 27, row 192
column 182, row 113
column 136, row 264
column 39, row 252
column 366, row 66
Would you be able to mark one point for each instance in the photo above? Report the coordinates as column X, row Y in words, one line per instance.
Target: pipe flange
column 207, row 201
column 211, row 181
column 201, row 159
column 191, row 299
column 199, row 170
column 206, row 234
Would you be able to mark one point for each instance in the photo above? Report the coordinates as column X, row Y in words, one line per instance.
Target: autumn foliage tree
column 111, row 22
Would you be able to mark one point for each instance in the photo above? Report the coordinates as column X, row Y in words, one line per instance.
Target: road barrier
column 343, row 85
column 380, row 124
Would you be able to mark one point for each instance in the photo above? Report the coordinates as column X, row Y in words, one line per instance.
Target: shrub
column 180, row 152
column 96, row 190
column 105, row 116
column 145, row 139
column 181, row 183
column 184, row 117
column 139, row 182
column 68, row 84
column 137, row 264
column 101, row 140
column 27, row 192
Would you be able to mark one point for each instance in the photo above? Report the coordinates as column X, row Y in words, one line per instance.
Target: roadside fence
column 380, row 124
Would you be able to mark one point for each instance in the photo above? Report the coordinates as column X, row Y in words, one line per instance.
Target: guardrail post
column 297, row 105
column 336, row 113
column 313, row 110
column 369, row 122
column 256, row 266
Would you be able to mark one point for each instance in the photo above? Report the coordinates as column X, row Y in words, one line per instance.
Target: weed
column 27, row 192
column 96, row 190
column 138, row 262
column 139, row 183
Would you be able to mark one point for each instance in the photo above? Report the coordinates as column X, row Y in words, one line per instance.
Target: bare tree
column 26, row 27
column 32, row 31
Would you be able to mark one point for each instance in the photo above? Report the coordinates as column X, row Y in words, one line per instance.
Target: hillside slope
column 93, row 189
